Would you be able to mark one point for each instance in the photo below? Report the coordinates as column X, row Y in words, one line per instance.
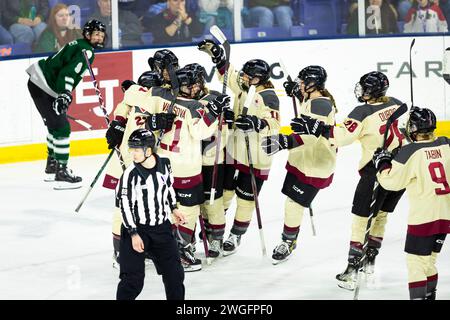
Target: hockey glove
column 250, row 123
column 293, row 89
column 160, row 121
column 62, row 102
column 214, row 50
column 382, row 159
column 275, row 143
column 126, row 84
column 114, row 134
column 218, row 105
column 228, row 116
column 308, row 125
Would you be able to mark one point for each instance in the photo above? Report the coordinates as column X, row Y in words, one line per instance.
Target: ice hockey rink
column 50, row 252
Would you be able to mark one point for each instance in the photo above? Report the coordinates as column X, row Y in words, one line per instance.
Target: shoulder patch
column 321, row 107
column 359, row 113
column 270, row 99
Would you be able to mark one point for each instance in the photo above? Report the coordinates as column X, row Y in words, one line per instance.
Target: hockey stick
column 294, row 104
column 218, row 34
column 94, row 181
column 205, row 244
column 102, row 103
column 80, row 122
column 116, row 149
column 446, row 65
column 411, row 71
column 175, row 90
column 395, row 115
column 247, row 103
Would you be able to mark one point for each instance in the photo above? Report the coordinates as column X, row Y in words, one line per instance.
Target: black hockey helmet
column 186, row 80
column 257, row 68
column 162, row 59
column 150, row 79
column 198, row 69
column 421, row 120
column 94, row 25
column 141, row 138
column 313, row 77
column 373, row 84
column 188, row 77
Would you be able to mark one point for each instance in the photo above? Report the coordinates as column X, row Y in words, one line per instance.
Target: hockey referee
column 147, row 198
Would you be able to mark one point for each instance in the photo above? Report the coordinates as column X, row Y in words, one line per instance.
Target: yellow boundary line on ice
column 38, row 151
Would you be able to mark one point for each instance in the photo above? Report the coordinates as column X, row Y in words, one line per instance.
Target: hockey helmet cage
column 421, row 120
column 373, row 84
column 141, row 138
column 257, row 68
column 198, row 69
column 313, row 77
column 150, row 79
column 94, row 25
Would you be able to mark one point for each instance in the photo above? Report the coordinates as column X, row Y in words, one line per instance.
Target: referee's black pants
column 162, row 246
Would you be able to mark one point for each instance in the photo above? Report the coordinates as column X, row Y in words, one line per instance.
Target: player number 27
column 438, row 175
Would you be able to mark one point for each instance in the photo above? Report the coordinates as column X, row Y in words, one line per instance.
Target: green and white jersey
column 63, row 70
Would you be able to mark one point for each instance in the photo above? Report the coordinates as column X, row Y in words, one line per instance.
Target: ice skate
column 231, row 244
column 65, row 179
column 347, row 279
column 50, row 169
column 283, row 251
column 188, row 260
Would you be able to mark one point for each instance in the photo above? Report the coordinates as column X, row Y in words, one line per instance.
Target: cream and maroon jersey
column 423, row 168
column 135, row 107
column 313, row 162
column 209, row 144
column 367, row 123
column 265, row 105
column 182, row 144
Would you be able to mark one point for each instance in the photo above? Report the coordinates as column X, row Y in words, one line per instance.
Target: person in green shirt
column 50, row 85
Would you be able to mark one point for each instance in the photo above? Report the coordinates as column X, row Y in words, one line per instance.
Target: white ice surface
column 49, row 252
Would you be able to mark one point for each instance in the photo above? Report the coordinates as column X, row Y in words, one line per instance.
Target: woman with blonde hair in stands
column 59, row 31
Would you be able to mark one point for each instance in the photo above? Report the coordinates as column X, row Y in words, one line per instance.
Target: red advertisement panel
column 110, row 69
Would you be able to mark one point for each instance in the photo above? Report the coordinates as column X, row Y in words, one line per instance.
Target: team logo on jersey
column 296, row 189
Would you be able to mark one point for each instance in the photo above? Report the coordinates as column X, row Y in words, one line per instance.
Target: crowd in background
column 47, row 25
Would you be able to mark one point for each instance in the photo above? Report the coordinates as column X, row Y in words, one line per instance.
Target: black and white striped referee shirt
column 146, row 196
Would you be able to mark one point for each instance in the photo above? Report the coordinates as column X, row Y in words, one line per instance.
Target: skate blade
column 189, row 268
column 228, row 253
column 347, row 285
column 275, row 261
column 49, row 177
column 61, row 185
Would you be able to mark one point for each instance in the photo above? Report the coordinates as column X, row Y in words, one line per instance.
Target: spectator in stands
column 381, row 18
column 425, row 16
column 174, row 24
column 139, row 7
column 5, row 36
column 263, row 12
column 25, row 19
column 403, row 7
column 445, row 8
column 130, row 28
column 59, row 31
column 216, row 12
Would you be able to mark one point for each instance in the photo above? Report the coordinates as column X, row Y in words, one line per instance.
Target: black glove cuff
column 326, row 131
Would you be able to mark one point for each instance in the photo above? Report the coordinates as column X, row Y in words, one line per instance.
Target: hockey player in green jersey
column 50, row 85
